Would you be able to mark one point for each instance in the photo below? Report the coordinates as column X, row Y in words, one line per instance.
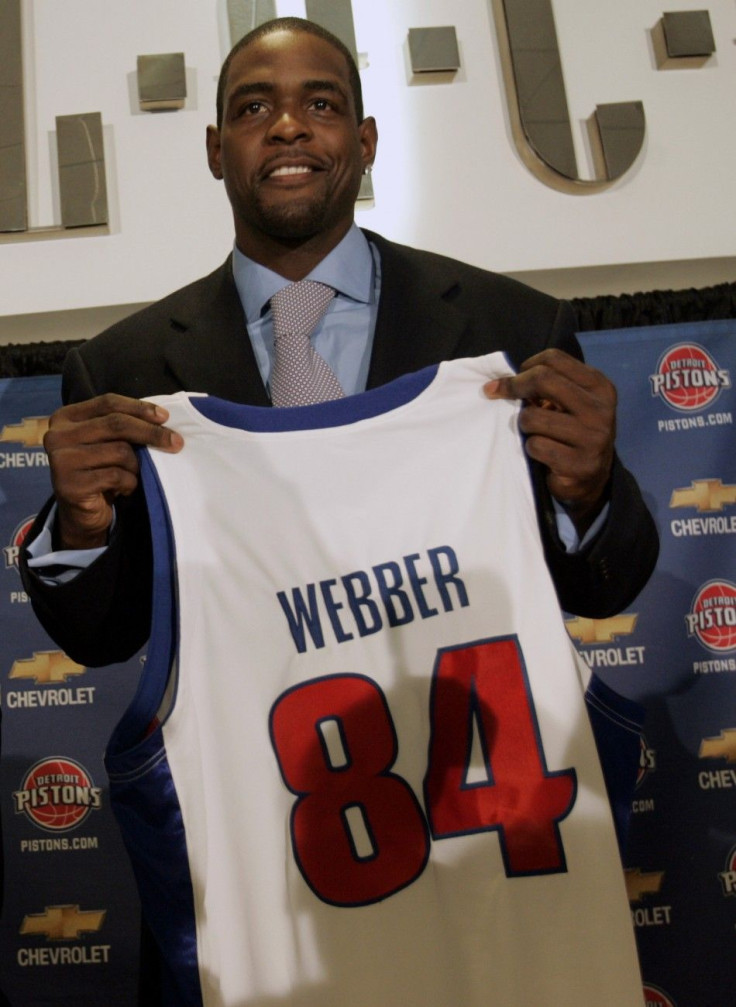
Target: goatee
column 297, row 219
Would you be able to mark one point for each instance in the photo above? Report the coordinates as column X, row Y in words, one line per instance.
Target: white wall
column 448, row 176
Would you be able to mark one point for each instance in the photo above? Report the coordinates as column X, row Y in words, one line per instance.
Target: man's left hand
column 569, row 419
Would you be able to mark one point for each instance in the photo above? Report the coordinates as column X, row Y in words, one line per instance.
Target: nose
column 289, row 126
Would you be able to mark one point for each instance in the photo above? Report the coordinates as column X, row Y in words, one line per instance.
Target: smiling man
column 290, row 145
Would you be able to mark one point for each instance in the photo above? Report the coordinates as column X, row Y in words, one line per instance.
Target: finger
column 78, row 472
column 505, row 390
column 549, row 388
column 552, row 424
column 562, row 363
column 88, row 457
column 501, row 388
column 544, row 384
column 577, row 372
column 595, row 429
column 91, row 484
column 103, row 405
column 554, row 380
column 566, row 460
column 125, row 427
column 574, row 478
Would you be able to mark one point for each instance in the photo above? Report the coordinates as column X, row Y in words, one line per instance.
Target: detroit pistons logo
column 57, row 794
column 688, row 379
column 712, row 617
column 728, row 877
column 16, row 541
column 654, row 997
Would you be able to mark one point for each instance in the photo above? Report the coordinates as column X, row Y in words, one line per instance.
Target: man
column 290, row 145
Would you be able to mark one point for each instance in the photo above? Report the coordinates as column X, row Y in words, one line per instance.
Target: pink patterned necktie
column 300, row 376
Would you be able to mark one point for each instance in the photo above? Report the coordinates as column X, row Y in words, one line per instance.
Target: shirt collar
column 348, row 268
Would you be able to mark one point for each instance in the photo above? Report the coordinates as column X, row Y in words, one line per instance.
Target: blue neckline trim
column 341, row 412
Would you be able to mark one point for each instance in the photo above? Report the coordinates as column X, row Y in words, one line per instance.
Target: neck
column 291, row 258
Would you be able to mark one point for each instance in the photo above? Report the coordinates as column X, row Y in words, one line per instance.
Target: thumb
column 499, row 388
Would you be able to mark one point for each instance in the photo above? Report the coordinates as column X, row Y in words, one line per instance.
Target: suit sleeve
column 606, row 576
column 432, row 309
column 103, row 615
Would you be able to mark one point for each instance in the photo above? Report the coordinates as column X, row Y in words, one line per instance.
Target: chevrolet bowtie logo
column 721, row 747
column 62, row 923
column 640, row 883
column 601, row 630
column 704, row 495
column 47, row 667
column 29, row 431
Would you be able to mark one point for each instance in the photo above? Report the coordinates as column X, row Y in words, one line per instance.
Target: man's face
column 290, row 149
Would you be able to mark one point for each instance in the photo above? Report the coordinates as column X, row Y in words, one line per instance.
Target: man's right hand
column 91, row 454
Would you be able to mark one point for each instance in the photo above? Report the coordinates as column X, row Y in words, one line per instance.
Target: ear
column 213, row 151
column 368, row 135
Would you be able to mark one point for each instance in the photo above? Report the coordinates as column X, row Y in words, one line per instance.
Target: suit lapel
column 209, row 349
column 417, row 326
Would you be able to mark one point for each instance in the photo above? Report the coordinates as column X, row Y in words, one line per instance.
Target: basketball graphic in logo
column 688, row 379
column 57, row 794
column 712, row 618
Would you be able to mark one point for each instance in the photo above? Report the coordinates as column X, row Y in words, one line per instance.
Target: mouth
column 290, row 169
column 295, row 166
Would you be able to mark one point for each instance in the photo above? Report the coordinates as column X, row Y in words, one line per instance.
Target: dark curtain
column 656, row 307
column 29, row 360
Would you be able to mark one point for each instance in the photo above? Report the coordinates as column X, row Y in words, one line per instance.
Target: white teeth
column 301, row 169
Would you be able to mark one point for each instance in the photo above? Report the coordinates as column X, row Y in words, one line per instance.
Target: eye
column 322, row 105
column 248, row 108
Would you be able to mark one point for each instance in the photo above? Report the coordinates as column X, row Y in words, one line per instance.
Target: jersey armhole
column 156, row 689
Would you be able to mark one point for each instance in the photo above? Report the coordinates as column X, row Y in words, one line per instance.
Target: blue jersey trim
column 142, row 790
column 340, row 412
column 146, row 702
column 147, row 808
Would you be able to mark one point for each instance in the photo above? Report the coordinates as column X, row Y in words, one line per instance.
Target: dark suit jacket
column 431, row 309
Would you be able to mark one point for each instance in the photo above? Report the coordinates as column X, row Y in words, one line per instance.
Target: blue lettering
column 358, row 602
column 303, row 612
column 392, row 591
column 333, row 607
column 364, row 602
column 443, row 578
column 416, row 585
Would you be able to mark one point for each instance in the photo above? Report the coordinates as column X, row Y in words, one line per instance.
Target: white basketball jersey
column 372, row 781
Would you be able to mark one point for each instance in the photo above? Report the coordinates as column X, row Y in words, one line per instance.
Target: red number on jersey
column 482, row 689
column 358, row 832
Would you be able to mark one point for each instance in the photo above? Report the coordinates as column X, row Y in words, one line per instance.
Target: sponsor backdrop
column 70, row 917
column 675, row 651
column 70, row 924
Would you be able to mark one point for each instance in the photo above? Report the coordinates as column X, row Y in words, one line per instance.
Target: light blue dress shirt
column 344, row 336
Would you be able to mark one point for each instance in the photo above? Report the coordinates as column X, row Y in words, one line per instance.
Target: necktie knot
column 298, row 307
column 300, row 376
